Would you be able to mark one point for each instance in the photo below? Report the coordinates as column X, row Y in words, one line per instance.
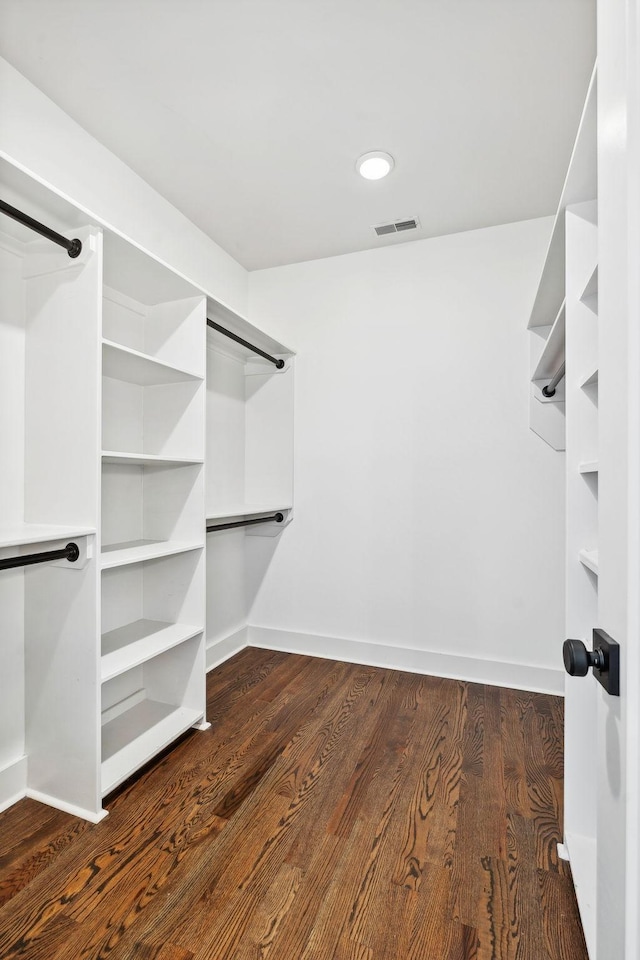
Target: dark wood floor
column 333, row 812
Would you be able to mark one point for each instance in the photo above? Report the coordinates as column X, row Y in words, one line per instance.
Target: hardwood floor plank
column 25, row 860
column 493, row 926
column 544, row 789
column 266, row 920
column 332, row 812
column 513, row 752
column 349, row 950
column 464, row 944
column 493, row 796
column 164, row 951
column 561, row 925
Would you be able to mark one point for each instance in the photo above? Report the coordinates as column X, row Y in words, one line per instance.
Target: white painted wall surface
column 428, row 516
column 42, row 140
column 12, row 373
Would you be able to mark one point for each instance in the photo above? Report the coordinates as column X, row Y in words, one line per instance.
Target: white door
column 603, row 731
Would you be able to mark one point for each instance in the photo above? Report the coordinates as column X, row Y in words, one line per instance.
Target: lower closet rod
column 70, row 553
column 73, row 247
column 278, row 517
column 245, row 343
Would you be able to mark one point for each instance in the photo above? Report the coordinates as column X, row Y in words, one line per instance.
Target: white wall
column 42, row 140
column 427, row 515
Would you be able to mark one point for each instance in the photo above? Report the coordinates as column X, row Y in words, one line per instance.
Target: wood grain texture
column 332, row 812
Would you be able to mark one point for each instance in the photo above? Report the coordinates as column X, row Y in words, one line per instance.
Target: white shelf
column 246, row 510
column 580, row 184
column 18, row 534
column 590, row 293
column 146, row 459
column 588, row 466
column 136, row 551
column 137, row 735
column 236, row 323
column 137, row 642
column 590, row 379
column 553, row 351
column 124, row 363
column 589, row 559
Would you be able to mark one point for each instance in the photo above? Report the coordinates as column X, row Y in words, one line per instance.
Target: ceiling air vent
column 398, row 226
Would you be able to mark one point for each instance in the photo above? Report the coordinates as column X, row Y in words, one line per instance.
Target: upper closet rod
column 550, row 389
column 73, row 247
column 70, row 553
column 278, row 517
column 233, row 336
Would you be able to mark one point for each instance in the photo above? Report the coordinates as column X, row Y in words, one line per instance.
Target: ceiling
column 248, row 115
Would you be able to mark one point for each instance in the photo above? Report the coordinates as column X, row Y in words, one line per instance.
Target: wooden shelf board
column 137, row 642
column 18, row 534
column 553, row 351
column 136, row 551
column 124, row 363
column 589, row 558
column 146, row 459
column 588, row 466
column 246, row 510
column 134, row 737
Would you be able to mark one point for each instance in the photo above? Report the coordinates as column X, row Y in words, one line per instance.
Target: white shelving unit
column 249, row 465
column 547, row 320
column 153, row 404
column 49, row 386
column 106, row 383
column 563, row 328
column 582, row 543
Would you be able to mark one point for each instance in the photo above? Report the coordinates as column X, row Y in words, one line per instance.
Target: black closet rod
column 233, row 336
column 73, row 247
column 278, row 517
column 70, row 553
column 550, row 389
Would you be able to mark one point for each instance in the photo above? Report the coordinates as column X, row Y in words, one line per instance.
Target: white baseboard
column 71, row 808
column 518, row 676
column 220, row 650
column 13, row 782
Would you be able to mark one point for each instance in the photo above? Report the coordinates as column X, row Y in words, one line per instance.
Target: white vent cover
column 397, row 226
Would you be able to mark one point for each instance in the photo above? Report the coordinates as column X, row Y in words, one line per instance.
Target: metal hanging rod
column 550, row 389
column 278, row 517
column 70, row 553
column 233, row 336
column 73, row 247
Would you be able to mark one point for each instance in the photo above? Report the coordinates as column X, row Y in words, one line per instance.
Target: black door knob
column 577, row 659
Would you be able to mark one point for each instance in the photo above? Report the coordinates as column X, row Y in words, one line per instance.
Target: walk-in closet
column 319, row 480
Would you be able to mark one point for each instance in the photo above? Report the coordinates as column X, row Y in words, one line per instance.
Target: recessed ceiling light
column 374, row 165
